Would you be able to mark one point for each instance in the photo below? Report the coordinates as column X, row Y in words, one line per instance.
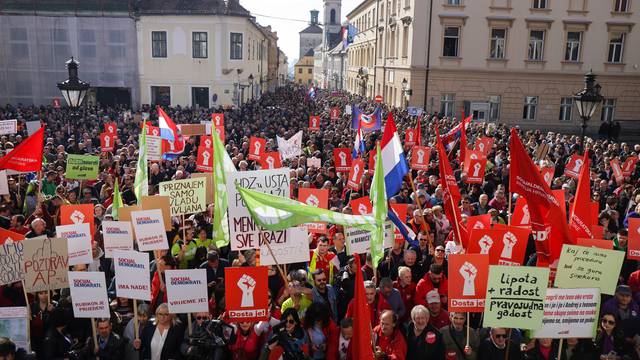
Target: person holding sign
column 111, row 346
column 455, row 339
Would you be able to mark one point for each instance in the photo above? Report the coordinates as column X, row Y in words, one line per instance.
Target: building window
column 447, row 104
column 494, row 107
column 530, row 106
column 453, row 2
column 333, row 16
column 608, row 110
column 616, row 47
column 536, row 45
column 310, row 71
column 235, row 51
column 621, row 5
column 451, row 39
column 565, row 109
column 161, row 95
column 498, row 43
column 572, row 52
column 405, row 41
column 299, row 70
column 199, row 45
column 539, row 4
column 159, row 44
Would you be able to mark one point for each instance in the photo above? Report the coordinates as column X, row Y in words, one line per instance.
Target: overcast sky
column 276, row 11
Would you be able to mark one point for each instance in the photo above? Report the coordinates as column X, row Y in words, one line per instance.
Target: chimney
column 314, row 17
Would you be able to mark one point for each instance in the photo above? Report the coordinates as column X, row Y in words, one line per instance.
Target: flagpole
column 284, row 277
column 135, row 319
column 469, row 331
column 184, row 243
column 509, row 209
column 26, row 302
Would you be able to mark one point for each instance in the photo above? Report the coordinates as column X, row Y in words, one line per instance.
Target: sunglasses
column 610, row 322
column 439, row 250
column 163, row 314
column 291, row 322
column 500, row 336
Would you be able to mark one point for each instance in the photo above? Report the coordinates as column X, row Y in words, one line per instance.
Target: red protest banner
column 335, row 113
column 217, row 119
column 629, row 165
column 468, row 276
column 270, row 160
column 361, row 206
column 617, row 170
column 342, row 159
column 257, row 146
column 107, row 142
column 410, row 137
column 247, row 293
column 204, row 161
column 420, row 157
column 505, row 245
column 372, row 160
column 633, row 247
column 476, row 171
column 317, row 198
column 314, row 123
column 355, row 175
column 572, row 169
column 77, row 214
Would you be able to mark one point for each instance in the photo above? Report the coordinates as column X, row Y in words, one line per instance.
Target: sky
column 289, row 17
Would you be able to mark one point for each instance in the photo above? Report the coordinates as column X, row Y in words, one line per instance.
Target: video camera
column 204, row 344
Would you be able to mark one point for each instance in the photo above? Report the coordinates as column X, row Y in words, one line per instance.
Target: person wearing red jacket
column 390, row 343
column 407, row 289
column 340, row 348
column 376, row 302
column 245, row 343
column 158, row 289
column 434, row 279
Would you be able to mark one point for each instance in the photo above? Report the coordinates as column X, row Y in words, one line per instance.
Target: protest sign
column 89, row 294
column 420, row 157
column 270, row 160
column 187, row 290
column 82, row 167
column 219, row 129
column 192, row 129
column 476, row 171
column 355, row 174
column 107, row 142
column 247, row 293
column 505, row 245
column 342, row 159
column 206, row 142
column 478, row 222
column 596, row 243
column 467, row 282
column 521, row 216
column 361, row 205
column 78, row 242
column 117, row 235
column 317, row 198
column 159, row 202
column 208, row 189
column 257, row 146
column 334, row 114
column 617, row 170
column 401, row 212
column 204, row 160
column 581, row 267
column 570, row 313
column 132, row 274
column 8, row 127
column 13, row 325
column 217, row 119
column 243, row 231
column 314, row 162
column 187, row 196
column 77, row 214
column 290, row 148
column 11, row 257
column 46, row 262
column 484, row 145
column 33, row 126
column 372, row 161
column 314, row 123
column 124, row 213
column 572, row 169
column 149, row 230
column 515, row 297
column 629, row 165
column 154, row 148
column 293, row 248
column 547, row 174
column 347, row 109
column 410, row 137
column 633, row 247
column 358, row 241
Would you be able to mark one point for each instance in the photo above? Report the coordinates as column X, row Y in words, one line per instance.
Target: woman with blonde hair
column 161, row 339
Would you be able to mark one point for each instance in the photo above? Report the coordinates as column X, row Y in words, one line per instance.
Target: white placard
column 347, row 109
column 359, row 241
column 244, row 232
column 33, row 126
column 8, row 127
column 570, row 313
column 132, row 274
column 290, row 148
column 13, row 325
column 78, row 242
column 117, row 235
column 293, row 247
column 207, row 126
column 149, row 229
column 187, row 290
column 4, row 184
column 154, row 148
column 89, row 294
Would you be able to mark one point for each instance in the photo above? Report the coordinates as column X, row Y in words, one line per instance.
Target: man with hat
column 215, row 270
column 438, row 317
column 622, row 304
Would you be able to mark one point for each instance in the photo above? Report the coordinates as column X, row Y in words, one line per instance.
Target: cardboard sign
column 476, row 171
column 160, row 202
column 154, row 148
column 187, row 196
column 342, row 159
column 257, row 146
column 547, row 174
column 373, row 156
column 270, row 160
column 410, row 137
column 82, row 167
column 633, row 246
column 596, row 243
column 515, row 297
column 334, row 114
column 204, row 161
column 78, row 214
column 217, row 119
column 11, row 257
column 484, row 145
column 318, row 198
column 132, row 274
column 572, row 169
column 293, row 248
column 243, row 231
column 504, row 245
column 13, row 325
column 314, row 123
column 358, row 241
column 89, row 294
column 192, row 129
column 355, row 175
column 208, row 177
column 467, row 282
column 149, row 230
column 8, row 127
column 247, row 293
column 629, row 165
column 46, row 263
column 420, row 157
column 187, row 290
column 617, row 170
column 581, row 266
column 117, row 235
column 570, row 313
column 124, row 213
column 107, row 142
column 78, row 242
column 314, row 162
column 521, row 215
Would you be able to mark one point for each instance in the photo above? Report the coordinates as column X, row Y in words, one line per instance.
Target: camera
column 205, row 343
column 291, row 351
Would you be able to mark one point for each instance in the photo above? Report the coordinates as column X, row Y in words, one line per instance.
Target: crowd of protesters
column 311, row 316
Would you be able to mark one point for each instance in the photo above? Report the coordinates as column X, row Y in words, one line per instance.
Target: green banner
column 82, row 167
column 583, row 267
column 515, row 297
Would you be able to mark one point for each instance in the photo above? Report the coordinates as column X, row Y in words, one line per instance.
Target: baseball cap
column 433, row 297
column 623, row 289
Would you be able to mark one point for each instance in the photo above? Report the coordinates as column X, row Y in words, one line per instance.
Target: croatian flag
column 312, row 92
column 348, row 33
column 449, row 139
column 358, row 144
column 168, row 130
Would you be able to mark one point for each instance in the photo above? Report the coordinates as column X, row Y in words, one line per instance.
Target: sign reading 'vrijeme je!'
column 82, row 167
column 188, row 196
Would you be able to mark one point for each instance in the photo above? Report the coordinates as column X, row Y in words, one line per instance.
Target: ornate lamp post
column 73, row 89
column 587, row 101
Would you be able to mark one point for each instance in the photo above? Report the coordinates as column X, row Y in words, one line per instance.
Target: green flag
column 141, row 182
column 279, row 213
column 221, row 164
column 379, row 199
column 117, row 200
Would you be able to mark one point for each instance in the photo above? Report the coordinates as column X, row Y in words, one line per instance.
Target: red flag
column 418, row 133
column 463, row 138
column 451, row 193
column 580, row 220
column 27, row 156
column 361, row 340
column 547, row 222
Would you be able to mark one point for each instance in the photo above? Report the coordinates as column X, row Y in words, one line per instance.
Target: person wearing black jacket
column 111, row 346
column 424, row 341
column 57, row 342
column 497, row 345
column 164, row 336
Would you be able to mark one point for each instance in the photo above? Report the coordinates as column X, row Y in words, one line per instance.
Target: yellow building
column 303, row 69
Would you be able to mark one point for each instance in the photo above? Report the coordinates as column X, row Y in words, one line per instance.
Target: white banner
column 244, row 232
column 89, row 294
column 291, row 247
column 132, row 274
column 154, row 148
column 290, row 148
column 117, row 235
column 149, row 229
column 78, row 242
column 8, row 127
column 359, row 241
column 4, row 184
column 187, row 290
column 570, row 313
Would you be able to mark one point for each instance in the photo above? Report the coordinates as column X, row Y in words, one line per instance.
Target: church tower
column 331, row 22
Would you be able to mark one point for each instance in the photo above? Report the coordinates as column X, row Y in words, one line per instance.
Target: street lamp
column 73, row 90
column 363, row 75
column 587, row 101
column 251, row 84
column 406, row 92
